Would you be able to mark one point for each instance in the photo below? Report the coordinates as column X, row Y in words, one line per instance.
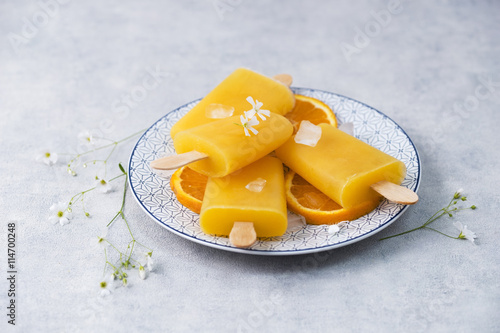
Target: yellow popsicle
column 227, row 146
column 341, row 166
column 229, row 199
column 232, row 93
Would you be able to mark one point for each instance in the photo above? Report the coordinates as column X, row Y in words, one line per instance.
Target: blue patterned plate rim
column 313, row 249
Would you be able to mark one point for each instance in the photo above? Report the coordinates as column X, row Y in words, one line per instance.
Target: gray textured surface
column 66, row 78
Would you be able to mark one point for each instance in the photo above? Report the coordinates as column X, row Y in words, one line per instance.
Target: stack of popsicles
column 228, row 137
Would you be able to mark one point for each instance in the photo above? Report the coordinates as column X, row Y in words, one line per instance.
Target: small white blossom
column 47, row 157
column 458, row 193
column 256, row 109
column 142, row 272
column 248, row 125
column 59, row 213
column 101, row 240
column 102, row 185
column 107, row 285
column 87, row 138
column 150, row 264
column 465, row 233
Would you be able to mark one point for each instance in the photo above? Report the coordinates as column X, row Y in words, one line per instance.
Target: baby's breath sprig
column 117, row 260
column 81, row 195
column 449, row 210
column 74, row 158
column 126, row 260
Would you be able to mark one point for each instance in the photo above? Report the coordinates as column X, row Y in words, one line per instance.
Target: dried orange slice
column 312, row 109
column 306, row 200
column 189, row 187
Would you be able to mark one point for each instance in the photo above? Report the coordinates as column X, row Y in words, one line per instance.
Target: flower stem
column 447, row 210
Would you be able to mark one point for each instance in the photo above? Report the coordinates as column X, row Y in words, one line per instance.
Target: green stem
column 110, row 144
column 402, row 233
column 144, row 246
column 442, row 233
column 446, row 210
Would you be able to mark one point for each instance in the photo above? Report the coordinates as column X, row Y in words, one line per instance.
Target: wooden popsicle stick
column 286, row 79
column 177, row 161
column 243, row 234
column 395, row 193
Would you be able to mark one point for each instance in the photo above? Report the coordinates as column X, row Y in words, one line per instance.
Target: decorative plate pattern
column 155, row 197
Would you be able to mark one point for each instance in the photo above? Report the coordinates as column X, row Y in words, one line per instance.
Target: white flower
column 103, row 186
column 142, row 272
column 464, row 232
column 247, row 125
column 458, row 193
column 87, row 138
column 150, row 264
column 101, row 240
column 60, row 213
column 47, row 157
column 256, row 109
column 107, row 285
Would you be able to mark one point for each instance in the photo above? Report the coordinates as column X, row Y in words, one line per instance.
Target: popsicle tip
column 286, row 79
column 243, row 234
column 176, row 161
column 395, row 193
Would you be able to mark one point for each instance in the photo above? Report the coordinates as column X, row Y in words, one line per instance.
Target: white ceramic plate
column 155, row 197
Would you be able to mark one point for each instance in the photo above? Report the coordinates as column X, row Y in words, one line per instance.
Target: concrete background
column 431, row 66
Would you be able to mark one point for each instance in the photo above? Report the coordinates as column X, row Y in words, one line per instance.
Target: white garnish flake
column 218, row 111
column 308, row 134
column 347, row 128
column 295, row 222
column 256, row 185
column 335, row 228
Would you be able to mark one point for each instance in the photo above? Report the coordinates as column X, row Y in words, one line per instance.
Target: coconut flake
column 347, row 128
column 308, row 134
column 295, row 222
column 218, row 111
column 256, row 185
column 335, row 228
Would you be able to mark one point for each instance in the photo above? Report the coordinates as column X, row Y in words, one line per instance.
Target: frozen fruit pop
column 252, row 198
column 229, row 97
column 221, row 147
column 346, row 169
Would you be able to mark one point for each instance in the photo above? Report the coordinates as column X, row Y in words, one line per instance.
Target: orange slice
column 189, row 187
column 306, row 200
column 308, row 108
